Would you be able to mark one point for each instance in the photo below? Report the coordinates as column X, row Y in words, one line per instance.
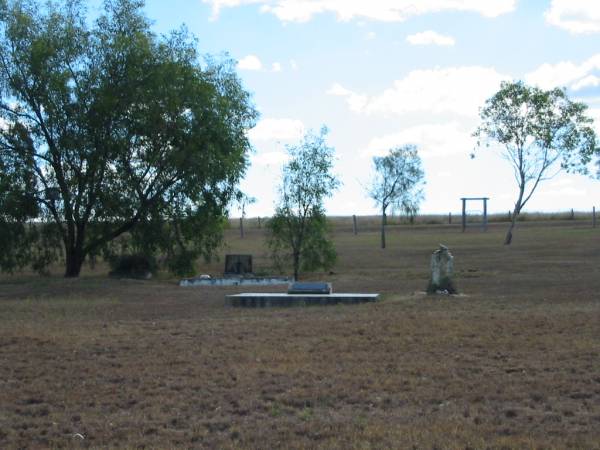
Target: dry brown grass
column 512, row 363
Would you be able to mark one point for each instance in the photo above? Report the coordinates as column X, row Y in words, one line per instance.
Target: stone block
column 309, row 288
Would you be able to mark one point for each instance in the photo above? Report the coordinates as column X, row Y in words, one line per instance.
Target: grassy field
column 513, row 362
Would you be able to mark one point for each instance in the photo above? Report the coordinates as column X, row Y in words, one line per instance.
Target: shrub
column 182, row 263
column 133, row 266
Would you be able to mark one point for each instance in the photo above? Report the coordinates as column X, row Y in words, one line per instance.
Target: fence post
column 593, row 217
column 258, row 221
column 485, row 220
column 464, row 214
column 242, row 227
column 572, row 214
column 354, row 229
column 449, row 218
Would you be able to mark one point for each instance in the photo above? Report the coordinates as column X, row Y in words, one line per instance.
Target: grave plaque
column 309, row 288
column 238, row 264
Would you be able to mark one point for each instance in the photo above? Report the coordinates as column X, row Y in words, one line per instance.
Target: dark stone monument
column 238, row 265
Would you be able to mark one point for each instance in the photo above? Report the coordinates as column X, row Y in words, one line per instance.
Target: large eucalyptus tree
column 540, row 132
column 107, row 128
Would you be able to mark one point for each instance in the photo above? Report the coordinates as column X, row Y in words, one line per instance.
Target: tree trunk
column 383, row 221
column 75, row 255
column 513, row 222
column 75, row 260
column 517, row 210
column 242, row 227
column 296, row 265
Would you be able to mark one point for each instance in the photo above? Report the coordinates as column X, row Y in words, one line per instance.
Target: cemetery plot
column 511, row 363
column 300, row 294
column 238, row 272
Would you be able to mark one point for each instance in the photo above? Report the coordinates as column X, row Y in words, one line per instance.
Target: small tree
column 398, row 183
column 542, row 132
column 298, row 230
column 243, row 201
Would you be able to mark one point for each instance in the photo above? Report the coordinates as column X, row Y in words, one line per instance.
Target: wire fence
column 356, row 223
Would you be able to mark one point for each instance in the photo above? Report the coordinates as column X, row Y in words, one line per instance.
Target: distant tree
column 542, row 132
column 298, row 230
column 108, row 130
column 398, row 183
column 243, row 201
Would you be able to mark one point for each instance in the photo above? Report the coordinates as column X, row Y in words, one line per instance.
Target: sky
column 383, row 73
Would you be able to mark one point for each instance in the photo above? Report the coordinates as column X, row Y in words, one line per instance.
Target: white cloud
column 430, row 37
column 592, row 101
column 432, row 140
column 589, row 81
column 253, row 62
column 594, row 113
column 562, row 182
column 250, row 62
column 564, row 192
column 355, row 101
column 370, row 36
column 379, row 10
column 566, row 74
column 575, row 16
column 339, row 90
column 217, row 5
column 454, row 90
column 276, row 158
column 293, row 64
column 277, row 129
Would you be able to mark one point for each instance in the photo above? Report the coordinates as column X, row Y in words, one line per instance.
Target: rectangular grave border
column 236, row 281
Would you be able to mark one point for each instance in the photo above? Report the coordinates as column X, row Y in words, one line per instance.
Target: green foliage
column 135, row 265
column 398, row 183
column 182, row 263
column 538, row 128
column 109, row 129
column 298, row 230
column 315, row 250
column 540, row 132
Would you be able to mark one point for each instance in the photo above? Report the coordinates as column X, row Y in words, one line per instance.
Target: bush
column 182, row 263
column 133, row 266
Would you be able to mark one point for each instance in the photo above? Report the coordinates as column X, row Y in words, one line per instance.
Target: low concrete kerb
column 236, row 281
